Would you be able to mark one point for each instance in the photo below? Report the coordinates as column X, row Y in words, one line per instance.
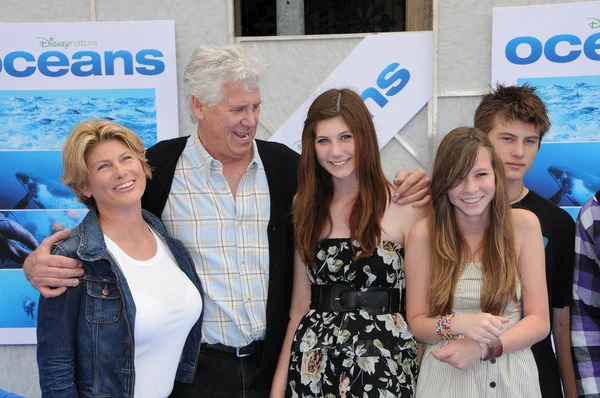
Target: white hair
column 211, row 67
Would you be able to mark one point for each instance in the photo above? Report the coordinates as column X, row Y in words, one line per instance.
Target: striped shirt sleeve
column 585, row 308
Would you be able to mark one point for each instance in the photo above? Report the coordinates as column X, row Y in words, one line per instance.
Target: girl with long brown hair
column 476, row 291
column 346, row 336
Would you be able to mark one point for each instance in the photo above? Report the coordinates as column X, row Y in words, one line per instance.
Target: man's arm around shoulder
column 51, row 274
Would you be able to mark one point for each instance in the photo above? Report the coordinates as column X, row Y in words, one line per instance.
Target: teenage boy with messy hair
column 516, row 119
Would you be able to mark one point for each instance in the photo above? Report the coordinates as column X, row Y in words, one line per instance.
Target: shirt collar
column 207, row 162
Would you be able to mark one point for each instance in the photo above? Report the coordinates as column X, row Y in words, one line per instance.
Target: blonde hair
column 82, row 139
column 448, row 249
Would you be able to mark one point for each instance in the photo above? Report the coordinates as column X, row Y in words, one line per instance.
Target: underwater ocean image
column 20, row 232
column 567, row 168
column 573, row 105
column 41, row 119
column 567, row 174
column 31, row 180
column 18, row 300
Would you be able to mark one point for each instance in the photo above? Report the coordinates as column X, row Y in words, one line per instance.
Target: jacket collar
column 92, row 245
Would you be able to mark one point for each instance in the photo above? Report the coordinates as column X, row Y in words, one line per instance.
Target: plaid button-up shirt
column 227, row 239
column 585, row 310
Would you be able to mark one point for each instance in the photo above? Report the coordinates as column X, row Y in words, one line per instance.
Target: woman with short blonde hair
column 108, row 336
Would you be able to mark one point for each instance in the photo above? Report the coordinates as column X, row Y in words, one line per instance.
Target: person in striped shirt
column 585, row 309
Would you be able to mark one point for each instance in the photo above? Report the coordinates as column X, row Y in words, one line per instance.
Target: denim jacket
column 85, row 336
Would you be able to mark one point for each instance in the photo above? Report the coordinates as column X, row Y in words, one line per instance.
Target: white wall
column 294, row 69
column 463, row 34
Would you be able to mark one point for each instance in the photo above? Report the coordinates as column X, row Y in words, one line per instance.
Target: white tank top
column 167, row 307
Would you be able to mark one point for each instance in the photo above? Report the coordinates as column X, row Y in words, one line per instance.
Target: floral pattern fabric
column 354, row 354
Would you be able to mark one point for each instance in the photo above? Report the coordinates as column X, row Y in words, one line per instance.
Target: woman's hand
column 460, row 353
column 481, row 328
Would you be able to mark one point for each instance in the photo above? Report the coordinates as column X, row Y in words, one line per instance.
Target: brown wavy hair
column 312, row 220
column 448, row 249
column 512, row 104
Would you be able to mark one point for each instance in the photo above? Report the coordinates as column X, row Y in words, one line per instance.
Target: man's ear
column 198, row 108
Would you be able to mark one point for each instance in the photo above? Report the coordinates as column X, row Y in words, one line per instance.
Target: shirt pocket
column 103, row 300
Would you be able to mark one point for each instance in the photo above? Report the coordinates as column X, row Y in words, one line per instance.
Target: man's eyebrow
column 246, row 105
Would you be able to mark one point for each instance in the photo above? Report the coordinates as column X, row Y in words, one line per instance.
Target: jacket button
column 493, row 361
column 492, row 384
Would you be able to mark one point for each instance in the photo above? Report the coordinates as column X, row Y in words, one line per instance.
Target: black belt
column 253, row 348
column 343, row 298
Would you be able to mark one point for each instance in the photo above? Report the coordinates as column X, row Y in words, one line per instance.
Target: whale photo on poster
column 556, row 49
column 31, row 180
column 53, row 76
column 20, row 233
column 566, row 181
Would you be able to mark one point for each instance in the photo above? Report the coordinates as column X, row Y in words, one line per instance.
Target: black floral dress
column 354, row 354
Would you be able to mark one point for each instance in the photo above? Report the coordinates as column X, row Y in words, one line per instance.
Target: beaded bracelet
column 443, row 327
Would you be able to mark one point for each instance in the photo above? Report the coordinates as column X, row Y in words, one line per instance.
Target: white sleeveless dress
column 512, row 375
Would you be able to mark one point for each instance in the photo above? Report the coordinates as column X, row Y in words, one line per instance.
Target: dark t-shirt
column 558, row 229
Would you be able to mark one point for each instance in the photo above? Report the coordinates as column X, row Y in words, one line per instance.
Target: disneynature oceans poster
column 556, row 48
column 53, row 76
